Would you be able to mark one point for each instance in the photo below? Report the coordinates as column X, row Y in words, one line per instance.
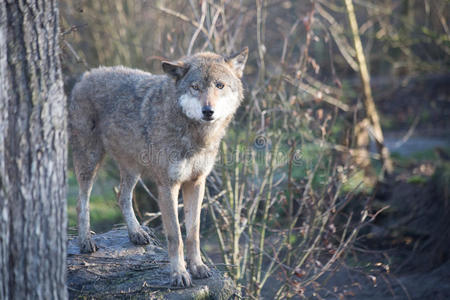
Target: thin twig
column 199, row 27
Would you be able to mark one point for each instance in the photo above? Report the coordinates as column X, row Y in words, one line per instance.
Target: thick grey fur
column 150, row 125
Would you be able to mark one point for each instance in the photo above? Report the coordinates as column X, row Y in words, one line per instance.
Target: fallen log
column 120, row 269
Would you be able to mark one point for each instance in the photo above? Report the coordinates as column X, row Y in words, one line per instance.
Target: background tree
column 33, row 151
column 369, row 104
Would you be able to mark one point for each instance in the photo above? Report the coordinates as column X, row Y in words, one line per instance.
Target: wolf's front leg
column 193, row 192
column 136, row 232
column 168, row 204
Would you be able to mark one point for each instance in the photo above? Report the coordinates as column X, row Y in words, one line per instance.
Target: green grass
column 427, row 155
column 417, row 179
column 104, row 209
column 357, row 183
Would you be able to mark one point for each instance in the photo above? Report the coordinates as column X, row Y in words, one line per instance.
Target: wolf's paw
column 181, row 279
column 140, row 237
column 88, row 246
column 199, row 270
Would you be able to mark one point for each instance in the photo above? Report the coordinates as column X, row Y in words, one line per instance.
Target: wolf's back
column 105, row 87
column 103, row 94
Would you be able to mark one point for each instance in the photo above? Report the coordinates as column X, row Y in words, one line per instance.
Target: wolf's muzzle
column 208, row 113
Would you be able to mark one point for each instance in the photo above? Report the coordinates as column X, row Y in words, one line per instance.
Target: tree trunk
column 33, row 151
column 369, row 105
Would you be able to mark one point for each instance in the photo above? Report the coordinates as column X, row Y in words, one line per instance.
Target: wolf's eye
column 195, row 87
column 219, row 85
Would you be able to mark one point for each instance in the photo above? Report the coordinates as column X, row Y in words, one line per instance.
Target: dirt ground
column 405, row 253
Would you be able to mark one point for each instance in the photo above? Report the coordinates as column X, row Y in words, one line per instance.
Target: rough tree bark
column 369, row 105
column 33, row 150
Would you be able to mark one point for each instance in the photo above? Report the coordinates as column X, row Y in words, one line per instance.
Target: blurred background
column 333, row 180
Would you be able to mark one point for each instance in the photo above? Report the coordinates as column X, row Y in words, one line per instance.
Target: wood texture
column 122, row 270
column 33, row 151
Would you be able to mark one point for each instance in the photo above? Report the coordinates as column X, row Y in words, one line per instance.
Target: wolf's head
column 209, row 86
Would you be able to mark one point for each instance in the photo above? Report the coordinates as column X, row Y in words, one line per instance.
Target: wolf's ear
column 237, row 61
column 176, row 69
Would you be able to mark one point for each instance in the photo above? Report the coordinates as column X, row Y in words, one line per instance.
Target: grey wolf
column 181, row 116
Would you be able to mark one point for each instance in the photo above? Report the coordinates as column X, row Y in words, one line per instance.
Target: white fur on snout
column 191, row 107
column 226, row 105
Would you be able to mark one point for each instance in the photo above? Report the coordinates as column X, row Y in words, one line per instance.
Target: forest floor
column 405, row 253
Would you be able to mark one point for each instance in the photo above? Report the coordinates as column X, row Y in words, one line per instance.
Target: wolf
column 163, row 127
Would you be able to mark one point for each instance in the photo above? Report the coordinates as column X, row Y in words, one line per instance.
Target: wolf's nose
column 207, row 112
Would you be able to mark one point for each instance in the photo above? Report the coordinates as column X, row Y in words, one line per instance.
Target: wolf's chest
column 185, row 169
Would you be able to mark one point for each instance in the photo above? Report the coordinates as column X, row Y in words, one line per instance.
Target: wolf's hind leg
column 86, row 165
column 137, row 234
